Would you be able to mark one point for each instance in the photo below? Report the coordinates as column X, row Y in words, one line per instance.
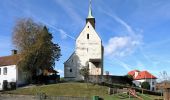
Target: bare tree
column 163, row 77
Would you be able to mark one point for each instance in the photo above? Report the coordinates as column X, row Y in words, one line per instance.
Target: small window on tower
column 88, row 36
column 70, row 70
column 88, row 26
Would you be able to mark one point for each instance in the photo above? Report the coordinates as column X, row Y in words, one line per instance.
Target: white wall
column 85, row 51
column 90, row 49
column 139, row 82
column 11, row 75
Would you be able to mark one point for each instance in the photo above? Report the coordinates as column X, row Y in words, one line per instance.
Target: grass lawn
column 76, row 89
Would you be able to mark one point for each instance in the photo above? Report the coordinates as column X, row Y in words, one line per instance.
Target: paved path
column 16, row 97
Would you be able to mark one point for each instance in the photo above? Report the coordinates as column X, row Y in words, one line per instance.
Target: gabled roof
column 9, row 60
column 88, row 24
column 51, row 70
column 70, row 57
column 132, row 73
column 141, row 75
column 144, row 75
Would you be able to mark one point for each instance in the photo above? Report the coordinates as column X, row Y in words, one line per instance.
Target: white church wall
column 88, row 52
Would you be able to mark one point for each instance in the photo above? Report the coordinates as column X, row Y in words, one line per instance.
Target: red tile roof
column 141, row 75
column 132, row 73
column 144, row 75
column 9, row 60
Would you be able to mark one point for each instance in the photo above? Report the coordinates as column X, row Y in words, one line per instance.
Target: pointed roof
column 90, row 11
column 141, row 75
column 9, row 60
column 145, row 75
column 132, row 73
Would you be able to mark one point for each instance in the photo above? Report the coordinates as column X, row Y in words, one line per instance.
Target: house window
column 153, row 83
column 153, row 89
column 87, row 36
column 70, row 70
column 5, row 71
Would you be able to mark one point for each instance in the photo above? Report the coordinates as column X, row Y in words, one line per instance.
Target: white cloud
column 121, row 46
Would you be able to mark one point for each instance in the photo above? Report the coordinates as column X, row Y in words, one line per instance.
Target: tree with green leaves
column 35, row 45
column 84, row 71
column 145, row 85
column 129, row 79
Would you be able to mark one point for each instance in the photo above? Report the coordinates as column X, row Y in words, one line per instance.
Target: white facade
column 11, row 73
column 152, row 83
column 88, row 53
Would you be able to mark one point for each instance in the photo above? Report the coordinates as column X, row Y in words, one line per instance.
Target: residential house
column 143, row 76
column 9, row 71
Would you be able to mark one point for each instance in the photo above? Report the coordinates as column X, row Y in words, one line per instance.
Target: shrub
column 12, row 85
column 128, row 79
column 145, row 85
column 5, row 85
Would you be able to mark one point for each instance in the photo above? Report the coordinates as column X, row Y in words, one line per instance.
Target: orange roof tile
column 144, row 75
column 132, row 73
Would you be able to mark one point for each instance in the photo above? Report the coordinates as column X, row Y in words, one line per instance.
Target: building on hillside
column 143, row 76
column 88, row 52
column 9, row 72
column 164, row 87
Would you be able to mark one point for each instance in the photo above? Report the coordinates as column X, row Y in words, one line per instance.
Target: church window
column 88, row 26
column 5, row 71
column 70, row 70
column 87, row 36
column 0, row 71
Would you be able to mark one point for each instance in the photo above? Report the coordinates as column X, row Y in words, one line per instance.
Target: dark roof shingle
column 9, row 60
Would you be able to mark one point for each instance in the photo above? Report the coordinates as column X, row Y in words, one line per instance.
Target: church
column 88, row 52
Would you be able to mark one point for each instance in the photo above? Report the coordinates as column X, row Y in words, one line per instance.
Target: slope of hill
column 75, row 89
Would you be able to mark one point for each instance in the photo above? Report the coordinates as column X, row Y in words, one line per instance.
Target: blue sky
column 135, row 33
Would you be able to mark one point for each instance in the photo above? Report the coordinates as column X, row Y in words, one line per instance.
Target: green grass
column 75, row 89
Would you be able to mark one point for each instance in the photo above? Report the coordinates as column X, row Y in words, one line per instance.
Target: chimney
column 14, row 52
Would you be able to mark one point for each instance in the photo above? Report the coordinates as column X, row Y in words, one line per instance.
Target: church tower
column 88, row 52
column 90, row 17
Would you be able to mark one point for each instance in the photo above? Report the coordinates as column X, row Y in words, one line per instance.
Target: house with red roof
column 9, row 72
column 143, row 76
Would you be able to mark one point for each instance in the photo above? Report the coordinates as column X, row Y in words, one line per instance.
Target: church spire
column 90, row 11
column 90, row 17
